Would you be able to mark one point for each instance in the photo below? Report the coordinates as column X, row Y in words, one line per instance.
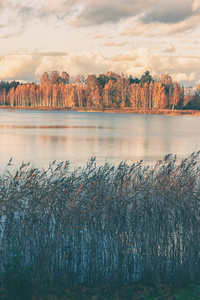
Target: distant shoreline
column 127, row 110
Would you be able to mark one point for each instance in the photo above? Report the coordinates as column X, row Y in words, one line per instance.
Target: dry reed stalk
column 103, row 224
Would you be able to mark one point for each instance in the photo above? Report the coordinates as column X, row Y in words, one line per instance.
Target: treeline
column 109, row 90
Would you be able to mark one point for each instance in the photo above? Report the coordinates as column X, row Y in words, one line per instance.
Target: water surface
column 43, row 136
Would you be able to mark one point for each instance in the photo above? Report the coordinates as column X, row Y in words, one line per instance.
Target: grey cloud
column 62, row 10
column 26, row 11
column 65, row 15
column 19, row 15
column 98, row 13
column 136, row 27
column 102, row 14
column 169, row 12
column 84, row 13
column 149, row 11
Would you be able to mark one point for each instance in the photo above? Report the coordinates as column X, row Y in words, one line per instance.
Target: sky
column 85, row 37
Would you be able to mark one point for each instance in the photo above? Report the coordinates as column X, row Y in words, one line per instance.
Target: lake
column 41, row 137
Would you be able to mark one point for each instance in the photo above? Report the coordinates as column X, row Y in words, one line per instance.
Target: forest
column 110, row 90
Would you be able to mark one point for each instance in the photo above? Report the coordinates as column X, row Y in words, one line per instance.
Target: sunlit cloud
column 180, row 77
column 30, row 66
column 90, row 36
column 110, row 43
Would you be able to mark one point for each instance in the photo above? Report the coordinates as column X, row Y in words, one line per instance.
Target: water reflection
column 18, row 126
column 41, row 137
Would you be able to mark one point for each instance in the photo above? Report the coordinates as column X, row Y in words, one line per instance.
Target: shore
column 127, row 110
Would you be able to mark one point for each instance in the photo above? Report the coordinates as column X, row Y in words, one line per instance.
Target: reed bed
column 97, row 225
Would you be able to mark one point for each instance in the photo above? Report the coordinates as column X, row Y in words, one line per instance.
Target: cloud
column 169, row 12
column 170, row 49
column 75, row 64
column 128, row 56
column 162, row 27
column 99, row 36
column 18, row 14
column 14, row 67
column 50, row 53
column 110, row 43
column 26, row 11
column 25, row 51
column 196, row 5
column 30, row 66
column 183, row 77
column 101, row 12
column 155, row 29
column 94, row 13
column 13, row 33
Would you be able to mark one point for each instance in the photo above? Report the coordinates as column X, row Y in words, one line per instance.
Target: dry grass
column 127, row 110
column 97, row 225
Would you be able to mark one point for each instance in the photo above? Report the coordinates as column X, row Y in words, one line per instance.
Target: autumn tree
column 122, row 90
column 11, row 96
column 54, row 77
column 103, row 80
column 45, row 78
column 135, row 95
column 33, row 95
column 65, row 77
column 109, row 90
column 92, row 91
column 177, row 96
column 80, row 95
column 167, row 82
column 112, row 76
column 55, row 95
column 3, row 96
column 79, row 80
column 159, row 96
column 145, row 95
column 108, row 93
column 150, row 95
column 69, row 95
column 47, row 95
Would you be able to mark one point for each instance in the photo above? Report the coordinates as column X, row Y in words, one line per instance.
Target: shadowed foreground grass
column 100, row 230
column 137, row 292
column 132, row 292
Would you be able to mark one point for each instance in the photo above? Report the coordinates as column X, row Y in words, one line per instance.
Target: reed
column 97, row 225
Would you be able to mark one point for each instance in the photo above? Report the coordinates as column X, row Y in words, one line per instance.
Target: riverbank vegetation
column 108, row 90
column 126, row 110
column 98, row 226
